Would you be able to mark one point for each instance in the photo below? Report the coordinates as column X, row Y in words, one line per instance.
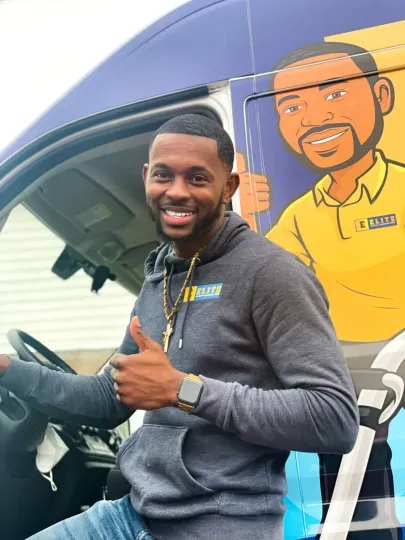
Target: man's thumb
column 138, row 335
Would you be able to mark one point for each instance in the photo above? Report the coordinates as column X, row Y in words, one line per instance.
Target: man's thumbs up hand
column 147, row 380
column 141, row 339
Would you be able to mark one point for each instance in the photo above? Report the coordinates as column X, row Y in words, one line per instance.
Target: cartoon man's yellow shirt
column 357, row 249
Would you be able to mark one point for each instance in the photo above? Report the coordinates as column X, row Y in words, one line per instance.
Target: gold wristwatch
column 190, row 392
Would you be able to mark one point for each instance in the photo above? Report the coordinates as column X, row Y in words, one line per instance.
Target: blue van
column 313, row 95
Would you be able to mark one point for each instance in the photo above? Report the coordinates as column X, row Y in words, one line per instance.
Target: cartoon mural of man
column 350, row 226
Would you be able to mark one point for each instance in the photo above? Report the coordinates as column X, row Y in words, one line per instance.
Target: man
column 350, row 226
column 249, row 322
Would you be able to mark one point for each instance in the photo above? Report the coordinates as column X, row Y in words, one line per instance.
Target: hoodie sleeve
column 83, row 399
column 316, row 409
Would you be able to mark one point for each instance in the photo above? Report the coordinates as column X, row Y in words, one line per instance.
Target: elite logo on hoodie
column 203, row 292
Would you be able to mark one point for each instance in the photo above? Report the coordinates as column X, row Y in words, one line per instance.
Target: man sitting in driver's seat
column 230, row 351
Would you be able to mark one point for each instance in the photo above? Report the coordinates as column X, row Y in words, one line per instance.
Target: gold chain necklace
column 169, row 315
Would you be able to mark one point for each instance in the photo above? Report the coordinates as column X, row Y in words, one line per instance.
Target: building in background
column 82, row 327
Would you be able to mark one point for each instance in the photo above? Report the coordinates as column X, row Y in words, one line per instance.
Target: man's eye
column 199, row 179
column 161, row 175
column 336, row 95
column 293, row 109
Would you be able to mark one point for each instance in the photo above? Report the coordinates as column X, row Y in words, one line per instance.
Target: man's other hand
column 4, row 363
column 147, row 380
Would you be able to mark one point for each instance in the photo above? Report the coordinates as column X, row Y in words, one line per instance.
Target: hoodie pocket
column 127, row 444
column 153, row 464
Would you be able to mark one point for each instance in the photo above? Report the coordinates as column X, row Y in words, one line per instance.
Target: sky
column 47, row 46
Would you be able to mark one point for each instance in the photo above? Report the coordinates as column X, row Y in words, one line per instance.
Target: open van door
column 75, row 204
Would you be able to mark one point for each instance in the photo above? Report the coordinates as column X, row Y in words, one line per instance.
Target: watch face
column 190, row 391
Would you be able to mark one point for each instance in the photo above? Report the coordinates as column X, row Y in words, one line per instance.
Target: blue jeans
column 106, row 520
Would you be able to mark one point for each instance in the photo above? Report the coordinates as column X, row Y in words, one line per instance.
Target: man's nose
column 316, row 115
column 178, row 189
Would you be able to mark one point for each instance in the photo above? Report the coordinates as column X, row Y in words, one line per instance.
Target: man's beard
column 359, row 150
column 202, row 226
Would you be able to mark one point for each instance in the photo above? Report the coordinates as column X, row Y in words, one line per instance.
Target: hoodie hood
column 164, row 256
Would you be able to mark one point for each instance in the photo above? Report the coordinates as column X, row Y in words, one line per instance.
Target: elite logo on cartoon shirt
column 203, row 292
column 377, row 222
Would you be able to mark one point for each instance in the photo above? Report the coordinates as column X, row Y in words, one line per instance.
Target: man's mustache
column 321, row 129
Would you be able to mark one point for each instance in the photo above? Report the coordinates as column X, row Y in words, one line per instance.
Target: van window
column 82, row 327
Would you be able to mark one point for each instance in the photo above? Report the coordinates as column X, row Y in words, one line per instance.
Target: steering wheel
column 22, row 426
column 20, row 341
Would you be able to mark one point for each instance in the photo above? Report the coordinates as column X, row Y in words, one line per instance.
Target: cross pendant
column 167, row 334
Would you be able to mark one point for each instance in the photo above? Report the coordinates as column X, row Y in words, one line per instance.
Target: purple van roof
column 200, row 42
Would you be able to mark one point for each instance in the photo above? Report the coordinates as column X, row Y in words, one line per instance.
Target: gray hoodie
column 256, row 328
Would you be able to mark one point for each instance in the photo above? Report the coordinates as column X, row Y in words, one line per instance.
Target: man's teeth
column 321, row 141
column 178, row 214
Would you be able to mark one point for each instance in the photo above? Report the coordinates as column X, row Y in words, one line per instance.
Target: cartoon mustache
column 321, row 129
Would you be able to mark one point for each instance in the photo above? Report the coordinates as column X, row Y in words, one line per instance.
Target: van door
column 323, row 127
column 76, row 204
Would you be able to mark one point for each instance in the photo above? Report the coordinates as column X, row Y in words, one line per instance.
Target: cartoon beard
column 359, row 151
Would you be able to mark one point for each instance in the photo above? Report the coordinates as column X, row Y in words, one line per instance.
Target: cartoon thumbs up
column 254, row 192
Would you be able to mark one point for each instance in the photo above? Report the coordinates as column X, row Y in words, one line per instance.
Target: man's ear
column 385, row 94
column 145, row 171
column 231, row 187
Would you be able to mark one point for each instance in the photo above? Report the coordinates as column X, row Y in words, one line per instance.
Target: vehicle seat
column 117, row 485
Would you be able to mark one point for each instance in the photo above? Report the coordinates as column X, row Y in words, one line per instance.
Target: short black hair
column 201, row 126
column 361, row 57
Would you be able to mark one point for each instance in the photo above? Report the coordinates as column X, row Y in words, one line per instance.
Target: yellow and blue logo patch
column 203, row 292
column 377, row 222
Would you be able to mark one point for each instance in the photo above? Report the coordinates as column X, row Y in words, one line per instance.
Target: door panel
column 301, row 134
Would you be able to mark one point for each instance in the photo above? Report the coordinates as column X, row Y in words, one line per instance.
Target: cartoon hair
column 201, row 126
column 361, row 57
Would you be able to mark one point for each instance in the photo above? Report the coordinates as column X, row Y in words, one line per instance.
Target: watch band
column 185, row 407
column 182, row 405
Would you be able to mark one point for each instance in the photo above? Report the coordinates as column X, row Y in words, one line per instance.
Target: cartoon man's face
column 330, row 125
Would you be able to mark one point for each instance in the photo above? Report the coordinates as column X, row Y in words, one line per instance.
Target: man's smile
column 180, row 216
